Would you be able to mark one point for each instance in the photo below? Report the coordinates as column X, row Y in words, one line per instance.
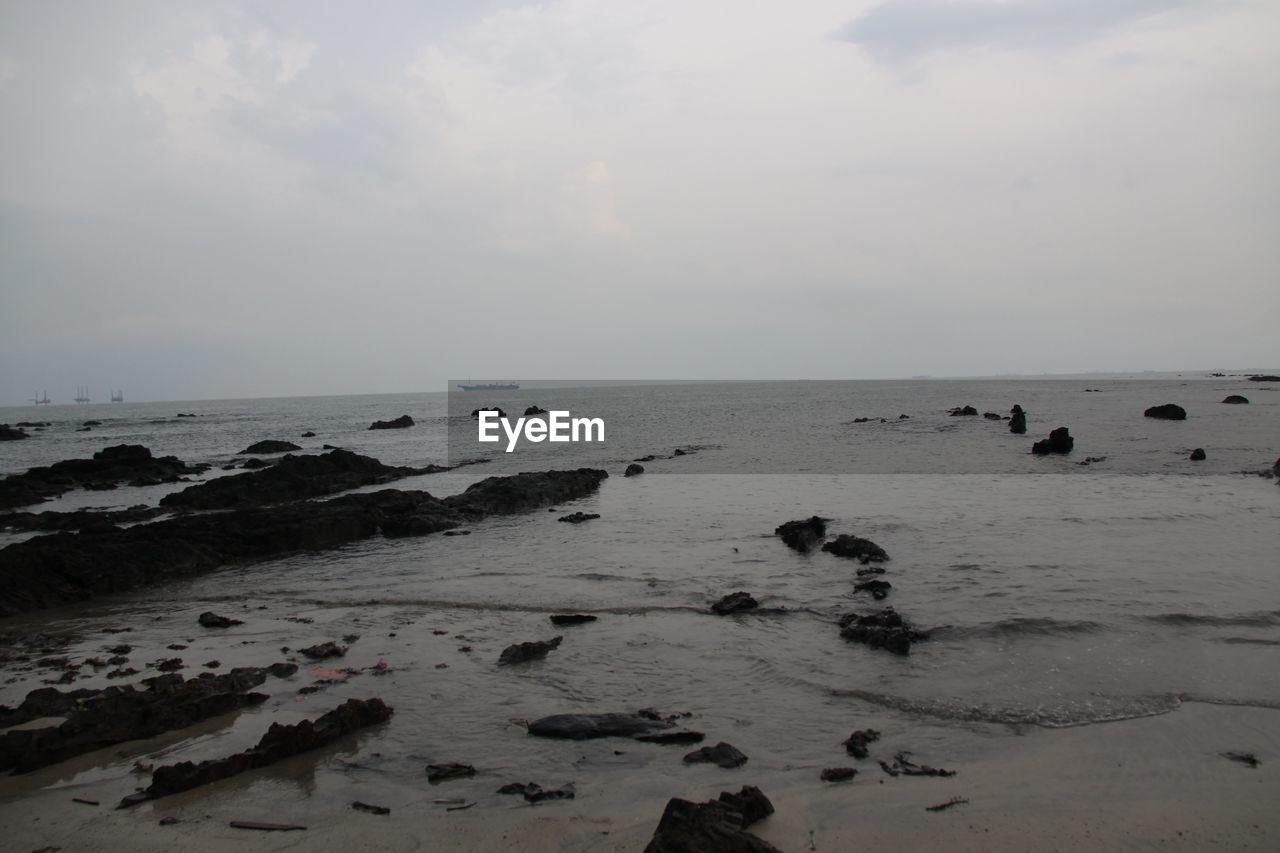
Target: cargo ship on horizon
column 491, row 386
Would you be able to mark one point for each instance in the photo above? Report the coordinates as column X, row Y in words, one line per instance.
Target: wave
column 1252, row 641
column 1260, row 618
column 1055, row 717
column 1022, row 627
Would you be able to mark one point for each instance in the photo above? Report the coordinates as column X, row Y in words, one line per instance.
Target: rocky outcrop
column 1167, row 412
column 738, row 602
column 8, row 433
column 65, row 567
column 123, row 463
column 209, row 619
column 1264, row 377
column 402, row 422
column 77, row 519
column 633, row 469
column 578, row 517
column 530, row 412
column 879, row 589
column 804, row 534
column 884, row 629
column 572, row 619
column 269, row 446
column 591, row 726
column 856, row 548
column 1018, row 422
column 293, row 478
column 722, row 755
column 280, row 742
column 1197, row 455
column 716, row 826
column 525, row 652
column 1236, row 400
column 991, row 416
column 475, row 413
column 963, row 411
column 1059, row 441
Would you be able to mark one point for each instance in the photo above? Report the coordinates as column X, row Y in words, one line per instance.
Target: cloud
column 904, row 29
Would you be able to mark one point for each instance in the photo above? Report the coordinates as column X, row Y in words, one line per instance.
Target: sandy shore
column 1158, row 782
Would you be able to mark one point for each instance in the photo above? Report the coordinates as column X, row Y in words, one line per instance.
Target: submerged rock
column 965, row 411
column 1197, row 455
column 578, row 517
column 738, row 602
column 1059, row 441
column 323, row 651
column 523, row 652
column 532, row 411
column 402, row 422
column 633, row 469
column 1236, row 400
column 437, row 773
column 1264, row 377
column 79, row 519
column 804, row 534
column 590, row 726
column 680, row 736
column 572, row 619
column 535, row 793
column 716, row 826
column 879, row 589
column 270, row 445
column 885, row 629
column 8, row 433
column 209, row 619
column 123, row 463
column 722, row 754
column 1167, row 412
column 856, row 743
column 991, row 416
column 857, row 548
column 838, row 774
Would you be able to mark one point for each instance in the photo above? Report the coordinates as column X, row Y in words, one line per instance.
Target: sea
column 1058, row 593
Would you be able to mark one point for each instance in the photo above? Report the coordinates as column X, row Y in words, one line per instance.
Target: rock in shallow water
column 885, row 629
column 523, row 652
column 857, row 548
column 1198, row 455
column 722, row 754
column 1059, row 441
column 1236, row 400
column 804, row 534
column 716, row 826
column 590, row 726
column 1167, row 412
column 271, row 446
column 402, row 422
column 572, row 619
column 737, row 602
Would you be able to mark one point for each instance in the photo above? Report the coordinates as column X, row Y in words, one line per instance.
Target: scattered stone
column 716, row 826
column 308, row 434
column 269, row 446
column 1197, row 455
column 908, row 768
column 856, row 743
column 633, row 469
column 524, row 652
column 533, row 411
column 838, row 774
column 738, row 602
column 475, row 413
column 804, row 534
column 437, row 773
column 578, row 517
column 1236, row 400
column 870, row 570
column 1089, row 460
column 885, row 629
column 561, row 619
column 1246, row 758
column 371, row 809
column 863, row 550
column 966, row 411
column 122, row 463
column 1167, row 412
column 879, row 589
column 322, row 651
column 722, row 754
column 170, row 665
column 1059, row 441
column 209, row 619
column 402, row 422
column 991, row 416
column 590, row 726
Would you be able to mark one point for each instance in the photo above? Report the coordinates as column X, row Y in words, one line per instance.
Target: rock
column 535, row 793
column 838, row 774
column 1236, row 400
column 437, row 773
column 679, row 452
column 879, row 589
column 722, row 754
column 1018, row 422
column 716, row 826
column 804, row 534
column 854, row 547
column 861, row 420
column 530, row 412
column 578, row 517
column 856, row 743
column 271, row 446
column 523, row 652
column 870, row 570
column 648, row 458
column 282, row 670
column 1197, row 455
column 591, row 726
column 8, row 433
column 57, row 569
column 1248, row 759
column 738, row 602
column 101, row 717
column 371, row 809
column 906, row 767
column 308, row 434
column 1167, row 412
column 475, row 413
column 1264, row 378
column 280, row 742
column 967, row 411
column 680, row 736
column 209, row 619
column 293, row 478
column 79, row 519
column 633, row 469
column 255, row 464
column 122, row 463
column 572, row 619
column 991, row 416
column 323, row 651
column 402, row 422
column 1059, row 441
column 1016, row 410
column 885, row 629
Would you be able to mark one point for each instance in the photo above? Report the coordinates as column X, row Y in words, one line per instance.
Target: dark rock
column 879, row 589
column 633, row 469
column 209, row 619
column 648, row 458
column 854, row 547
column 280, row 742
column 1059, row 441
column 679, row 452
column 282, row 670
column 1246, row 758
column 838, row 774
column 885, row 629
column 861, row 420
column 437, row 773
column 170, row 665
column 590, row 726
column 323, row 651
column 65, row 567
column 680, row 736
column 991, row 416
column 1167, row 412
column 870, row 570
column 103, row 717
column 475, row 413
column 1197, row 455
column 1018, row 423
column 578, row 517
column 120, row 464
column 1264, row 378
column 804, row 534
column 402, row 422
column 255, row 464
column 1236, row 400
column 738, row 602
column 909, row 768
column 308, row 434
column 79, row 519
column 572, row 619
column 371, row 809
column 523, row 652
column 530, row 412
column 271, row 446
column 856, row 743
column 722, row 754
column 293, row 478
column 8, row 433
column 716, row 826
column 1016, row 410
column 966, row 411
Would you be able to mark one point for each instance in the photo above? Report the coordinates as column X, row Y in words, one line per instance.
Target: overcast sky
column 250, row 199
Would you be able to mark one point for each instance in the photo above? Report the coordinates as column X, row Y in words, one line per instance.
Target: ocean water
column 1060, row 594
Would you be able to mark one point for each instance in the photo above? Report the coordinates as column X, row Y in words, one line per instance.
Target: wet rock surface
column 633, row 469
column 270, row 445
column 1167, row 412
column 535, row 793
column 1059, row 441
column 209, row 619
column 737, row 602
column 572, row 619
column 437, row 773
column 122, row 463
column 8, row 433
column 722, row 754
column 856, row 743
column 879, row 589
column 590, row 726
column 524, row 652
column 50, row 521
column 1017, row 420
column 963, row 411
column 838, row 774
column 402, row 422
column 856, row 548
column 802, row 535
column 1198, row 455
column 884, row 629
column 280, row 742
column 578, row 517
column 1236, row 400
column 716, row 826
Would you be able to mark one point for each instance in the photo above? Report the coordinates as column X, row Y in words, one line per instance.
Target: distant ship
column 492, row 386
column 40, row 401
column 117, row 396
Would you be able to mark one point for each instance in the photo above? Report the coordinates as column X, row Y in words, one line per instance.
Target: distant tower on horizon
column 41, row 399
column 117, row 396
column 82, row 394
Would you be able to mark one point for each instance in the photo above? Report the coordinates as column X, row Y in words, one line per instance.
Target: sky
column 236, row 199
